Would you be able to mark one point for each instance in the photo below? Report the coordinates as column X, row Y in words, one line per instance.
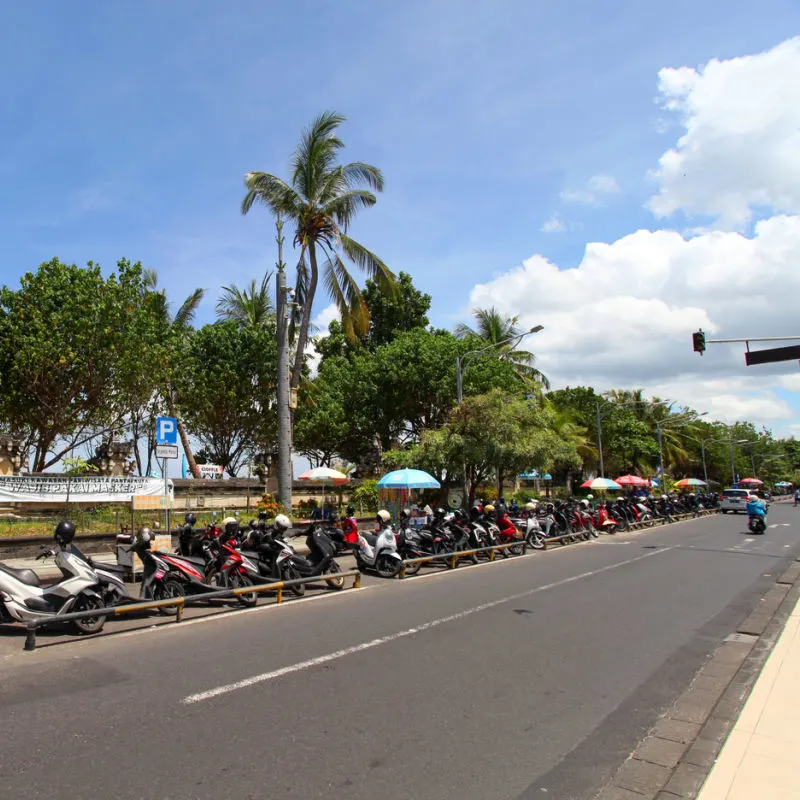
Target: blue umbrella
column 783, row 483
column 408, row 479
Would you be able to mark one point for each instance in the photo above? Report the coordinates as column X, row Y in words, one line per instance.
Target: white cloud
column 554, row 225
column 596, row 189
column 741, row 148
column 319, row 325
column 623, row 317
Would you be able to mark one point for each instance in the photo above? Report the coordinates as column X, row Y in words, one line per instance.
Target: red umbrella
column 753, row 481
column 632, row 480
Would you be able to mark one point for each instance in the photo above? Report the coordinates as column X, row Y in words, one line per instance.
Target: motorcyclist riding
column 756, row 509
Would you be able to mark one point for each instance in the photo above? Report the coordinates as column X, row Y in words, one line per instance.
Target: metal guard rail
column 182, row 601
column 453, row 557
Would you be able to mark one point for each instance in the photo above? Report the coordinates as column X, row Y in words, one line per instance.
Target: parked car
column 734, row 500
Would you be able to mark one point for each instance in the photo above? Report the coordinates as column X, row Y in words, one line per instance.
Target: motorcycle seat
column 372, row 540
column 198, row 562
column 26, row 576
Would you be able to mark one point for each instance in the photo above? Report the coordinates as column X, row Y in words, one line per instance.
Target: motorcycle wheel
column 413, row 569
column 91, row 624
column 168, row 590
column 337, row 582
column 593, row 532
column 239, row 581
column 536, row 541
column 387, row 567
column 290, row 574
column 516, row 549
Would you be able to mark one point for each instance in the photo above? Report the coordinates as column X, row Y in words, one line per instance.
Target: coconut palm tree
column 248, row 307
column 321, row 199
column 180, row 323
column 497, row 329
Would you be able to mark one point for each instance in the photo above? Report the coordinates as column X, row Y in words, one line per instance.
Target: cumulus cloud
column 597, row 188
column 624, row 315
column 740, row 152
column 554, row 225
column 319, row 327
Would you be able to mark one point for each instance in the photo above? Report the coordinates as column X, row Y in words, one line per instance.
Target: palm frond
column 188, row 308
column 357, row 173
column 271, row 191
column 369, row 263
column 345, row 293
column 344, row 207
column 249, row 307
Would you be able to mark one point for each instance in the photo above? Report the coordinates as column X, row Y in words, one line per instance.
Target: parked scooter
column 24, row 599
column 378, row 552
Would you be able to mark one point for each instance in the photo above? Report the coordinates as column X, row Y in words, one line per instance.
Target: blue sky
column 127, row 127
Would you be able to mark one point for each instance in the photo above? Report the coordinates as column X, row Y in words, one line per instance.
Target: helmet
column 383, row 517
column 144, row 535
column 228, row 520
column 65, row 532
column 190, row 518
column 283, row 522
column 590, row 497
column 262, row 515
column 405, row 513
column 350, row 511
column 585, row 503
column 530, row 506
column 253, row 523
column 476, row 510
column 231, row 527
column 489, row 508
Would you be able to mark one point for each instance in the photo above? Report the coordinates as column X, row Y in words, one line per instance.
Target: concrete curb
column 674, row 760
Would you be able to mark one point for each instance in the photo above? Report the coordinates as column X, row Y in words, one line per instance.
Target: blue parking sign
column 166, row 430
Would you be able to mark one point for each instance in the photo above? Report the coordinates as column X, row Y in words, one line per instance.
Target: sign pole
column 166, row 494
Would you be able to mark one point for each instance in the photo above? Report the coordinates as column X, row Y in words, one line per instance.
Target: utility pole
column 600, row 439
column 284, row 414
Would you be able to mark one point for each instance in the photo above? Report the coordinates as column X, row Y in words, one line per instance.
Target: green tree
column 226, row 391
column 77, row 351
column 494, row 328
column 249, row 306
column 321, row 200
column 180, row 326
column 490, row 434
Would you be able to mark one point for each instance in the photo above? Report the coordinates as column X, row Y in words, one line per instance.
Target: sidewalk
column 760, row 757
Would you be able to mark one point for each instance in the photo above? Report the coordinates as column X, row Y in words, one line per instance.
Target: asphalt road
column 533, row 677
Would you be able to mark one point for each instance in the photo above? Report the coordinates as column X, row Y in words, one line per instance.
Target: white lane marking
column 781, row 525
column 749, row 540
column 347, row 651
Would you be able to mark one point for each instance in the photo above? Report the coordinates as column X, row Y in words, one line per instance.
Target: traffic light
column 699, row 341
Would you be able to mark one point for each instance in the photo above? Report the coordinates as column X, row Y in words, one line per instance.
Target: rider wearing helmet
column 350, row 526
column 383, row 519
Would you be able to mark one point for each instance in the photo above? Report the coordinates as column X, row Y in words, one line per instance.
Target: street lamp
column 703, row 443
column 461, row 364
column 659, row 427
column 600, row 416
column 463, row 361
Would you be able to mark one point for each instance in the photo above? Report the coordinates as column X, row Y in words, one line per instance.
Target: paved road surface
column 534, row 677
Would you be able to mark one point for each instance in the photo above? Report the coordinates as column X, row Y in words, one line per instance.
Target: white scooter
column 23, row 599
column 378, row 552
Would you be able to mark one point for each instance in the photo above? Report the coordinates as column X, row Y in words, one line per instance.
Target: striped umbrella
column 599, row 484
column 686, row 482
column 632, row 480
column 325, row 476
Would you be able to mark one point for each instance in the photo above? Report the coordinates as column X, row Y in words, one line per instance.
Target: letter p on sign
column 166, row 430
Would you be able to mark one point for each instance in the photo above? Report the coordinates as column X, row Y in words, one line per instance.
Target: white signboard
column 166, row 451
column 54, row 489
column 209, row 471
